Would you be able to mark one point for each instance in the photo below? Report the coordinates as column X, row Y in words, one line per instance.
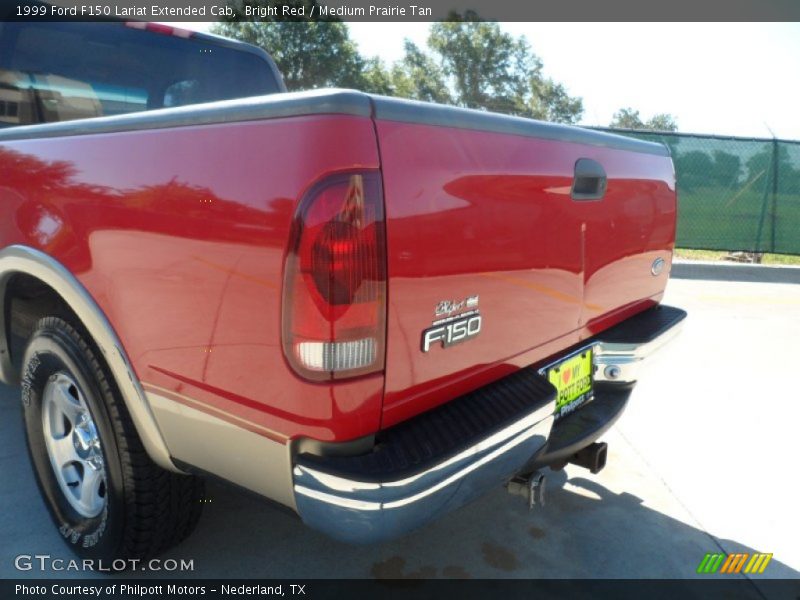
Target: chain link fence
column 735, row 194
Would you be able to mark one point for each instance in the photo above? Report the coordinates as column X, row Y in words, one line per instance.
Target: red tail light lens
column 334, row 287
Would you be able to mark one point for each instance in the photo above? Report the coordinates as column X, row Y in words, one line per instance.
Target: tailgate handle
column 590, row 180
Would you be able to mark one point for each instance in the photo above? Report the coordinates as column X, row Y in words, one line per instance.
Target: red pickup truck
column 369, row 310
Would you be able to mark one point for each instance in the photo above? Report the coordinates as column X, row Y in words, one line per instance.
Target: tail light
column 334, row 286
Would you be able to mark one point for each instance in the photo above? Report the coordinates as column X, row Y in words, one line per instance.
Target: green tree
column 488, row 68
column 628, row 118
column 549, row 101
column 309, row 54
column 376, row 78
column 662, row 122
column 419, row 77
column 470, row 62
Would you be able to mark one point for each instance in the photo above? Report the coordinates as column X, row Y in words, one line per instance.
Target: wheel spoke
column 90, row 487
column 67, row 403
column 72, row 477
column 63, row 451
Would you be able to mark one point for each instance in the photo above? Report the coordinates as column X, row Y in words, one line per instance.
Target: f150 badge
column 453, row 328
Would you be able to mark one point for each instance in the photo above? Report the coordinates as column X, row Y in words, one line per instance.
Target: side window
column 61, row 99
column 79, row 81
column 182, row 92
column 47, row 98
column 15, row 103
column 53, row 71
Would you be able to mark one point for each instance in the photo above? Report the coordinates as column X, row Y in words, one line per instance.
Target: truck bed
column 184, row 214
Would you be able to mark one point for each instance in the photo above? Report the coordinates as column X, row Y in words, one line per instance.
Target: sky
column 738, row 79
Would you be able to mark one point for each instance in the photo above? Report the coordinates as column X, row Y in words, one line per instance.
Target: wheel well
column 26, row 300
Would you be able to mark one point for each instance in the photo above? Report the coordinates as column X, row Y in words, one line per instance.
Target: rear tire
column 108, row 499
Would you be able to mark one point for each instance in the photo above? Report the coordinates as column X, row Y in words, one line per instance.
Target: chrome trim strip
column 28, row 261
column 629, row 356
column 363, row 511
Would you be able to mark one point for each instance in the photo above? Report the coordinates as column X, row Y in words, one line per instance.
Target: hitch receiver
column 593, row 457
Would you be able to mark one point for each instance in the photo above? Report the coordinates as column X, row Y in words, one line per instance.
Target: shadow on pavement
column 584, row 531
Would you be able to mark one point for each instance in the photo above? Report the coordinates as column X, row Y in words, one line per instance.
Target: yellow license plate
column 572, row 378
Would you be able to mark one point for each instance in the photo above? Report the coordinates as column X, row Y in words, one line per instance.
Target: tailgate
column 494, row 261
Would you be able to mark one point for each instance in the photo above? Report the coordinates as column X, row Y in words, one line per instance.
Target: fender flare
column 18, row 259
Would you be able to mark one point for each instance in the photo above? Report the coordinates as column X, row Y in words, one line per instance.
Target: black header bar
column 405, row 10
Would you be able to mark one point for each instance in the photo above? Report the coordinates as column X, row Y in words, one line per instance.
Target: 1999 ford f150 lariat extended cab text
column 369, row 310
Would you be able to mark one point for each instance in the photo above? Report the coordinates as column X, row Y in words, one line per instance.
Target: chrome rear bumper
column 618, row 359
column 387, row 500
column 366, row 511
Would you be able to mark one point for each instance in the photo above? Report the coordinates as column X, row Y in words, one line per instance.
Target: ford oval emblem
column 657, row 266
